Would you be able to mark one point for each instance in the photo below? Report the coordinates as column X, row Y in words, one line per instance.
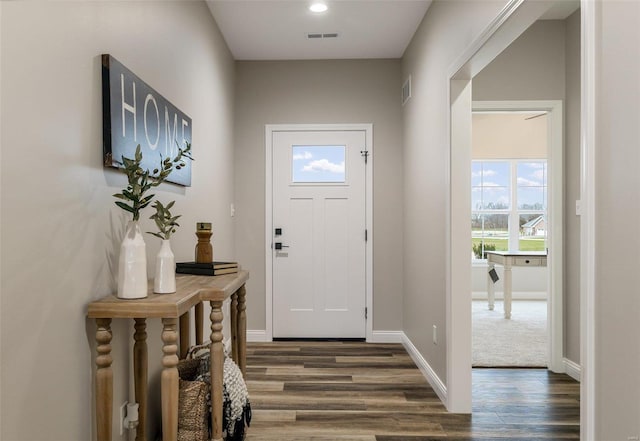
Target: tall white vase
column 132, row 266
column 165, row 280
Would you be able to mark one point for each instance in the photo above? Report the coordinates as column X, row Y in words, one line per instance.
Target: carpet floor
column 518, row 342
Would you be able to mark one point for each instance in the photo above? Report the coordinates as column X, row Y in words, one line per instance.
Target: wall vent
column 321, row 36
column 406, row 90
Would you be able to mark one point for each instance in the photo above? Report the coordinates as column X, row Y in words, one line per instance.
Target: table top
column 518, row 253
column 190, row 290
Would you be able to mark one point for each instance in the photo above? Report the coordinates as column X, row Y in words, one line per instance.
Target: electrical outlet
column 123, row 415
column 435, row 335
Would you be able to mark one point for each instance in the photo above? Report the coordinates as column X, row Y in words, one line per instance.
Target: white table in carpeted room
column 509, row 259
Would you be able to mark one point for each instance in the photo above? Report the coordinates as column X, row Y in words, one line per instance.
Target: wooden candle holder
column 204, row 249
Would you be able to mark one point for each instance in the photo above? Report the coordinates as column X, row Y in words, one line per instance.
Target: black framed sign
column 134, row 113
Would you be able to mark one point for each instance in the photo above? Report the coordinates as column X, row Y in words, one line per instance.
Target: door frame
column 270, row 129
column 515, row 18
column 555, row 235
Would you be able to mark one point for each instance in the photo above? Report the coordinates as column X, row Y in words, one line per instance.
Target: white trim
column 458, row 238
column 269, row 129
column 429, row 374
column 268, row 235
column 555, row 241
column 386, row 337
column 257, row 336
column 478, row 44
column 572, row 369
column 511, row 21
column 588, row 220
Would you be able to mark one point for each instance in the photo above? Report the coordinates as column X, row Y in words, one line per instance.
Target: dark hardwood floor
column 321, row 391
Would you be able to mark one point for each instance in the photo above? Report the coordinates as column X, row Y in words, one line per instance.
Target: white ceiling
column 276, row 30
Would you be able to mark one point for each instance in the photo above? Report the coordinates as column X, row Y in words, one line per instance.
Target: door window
column 318, row 163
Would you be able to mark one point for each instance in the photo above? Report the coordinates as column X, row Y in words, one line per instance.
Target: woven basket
column 188, row 368
column 193, row 413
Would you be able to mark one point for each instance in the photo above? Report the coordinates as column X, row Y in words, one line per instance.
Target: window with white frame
column 508, row 206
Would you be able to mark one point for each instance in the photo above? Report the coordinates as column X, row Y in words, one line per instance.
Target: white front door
column 318, row 234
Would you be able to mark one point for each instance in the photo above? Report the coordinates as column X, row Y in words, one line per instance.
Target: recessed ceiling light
column 318, row 7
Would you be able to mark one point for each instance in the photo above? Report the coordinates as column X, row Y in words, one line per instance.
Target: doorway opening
column 516, row 175
column 514, row 19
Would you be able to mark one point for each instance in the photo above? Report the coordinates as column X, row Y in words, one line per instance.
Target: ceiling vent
column 406, row 90
column 321, row 36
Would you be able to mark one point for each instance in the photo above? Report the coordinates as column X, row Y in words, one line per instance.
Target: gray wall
column 531, row 68
column 544, row 63
column 572, row 189
column 446, row 31
column 60, row 228
column 617, row 302
column 363, row 91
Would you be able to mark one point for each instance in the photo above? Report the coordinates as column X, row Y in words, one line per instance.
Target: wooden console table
column 171, row 308
column 509, row 259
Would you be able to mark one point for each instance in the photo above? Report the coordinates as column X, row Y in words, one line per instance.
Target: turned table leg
column 104, row 380
column 216, row 368
column 169, row 380
column 140, row 375
column 241, row 330
column 184, row 335
column 234, row 326
column 507, row 290
column 199, row 323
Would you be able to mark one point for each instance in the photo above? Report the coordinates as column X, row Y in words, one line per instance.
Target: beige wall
column 544, row 64
column 617, row 204
column 363, row 91
column 509, row 135
column 60, row 228
column 446, row 31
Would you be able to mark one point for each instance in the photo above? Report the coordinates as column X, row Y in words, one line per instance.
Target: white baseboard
column 516, row 295
column 436, row 383
column 572, row 369
column 386, row 337
column 257, row 336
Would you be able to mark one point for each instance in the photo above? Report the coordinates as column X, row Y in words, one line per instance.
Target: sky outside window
column 532, row 185
column 490, row 185
column 319, row 163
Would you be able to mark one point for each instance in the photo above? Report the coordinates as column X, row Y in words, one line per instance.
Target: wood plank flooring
column 322, row 391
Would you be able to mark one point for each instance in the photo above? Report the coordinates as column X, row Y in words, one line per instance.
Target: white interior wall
column 60, row 228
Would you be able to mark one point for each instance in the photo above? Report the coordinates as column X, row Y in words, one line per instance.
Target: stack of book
column 207, row 269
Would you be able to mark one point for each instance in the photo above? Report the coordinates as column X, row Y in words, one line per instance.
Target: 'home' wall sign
column 134, row 113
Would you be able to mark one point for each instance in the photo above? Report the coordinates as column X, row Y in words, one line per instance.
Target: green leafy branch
column 164, row 221
column 141, row 181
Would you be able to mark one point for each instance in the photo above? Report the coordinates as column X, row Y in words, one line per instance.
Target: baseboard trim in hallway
column 429, row 374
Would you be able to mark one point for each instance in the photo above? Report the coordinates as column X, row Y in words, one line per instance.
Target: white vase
column 132, row 266
column 165, row 280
